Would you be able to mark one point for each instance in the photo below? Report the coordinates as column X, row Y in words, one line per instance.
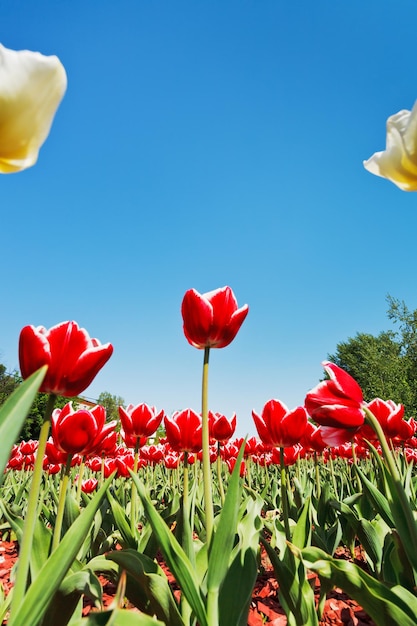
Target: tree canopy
column 385, row 365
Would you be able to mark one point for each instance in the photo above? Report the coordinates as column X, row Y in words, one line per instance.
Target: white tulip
column 31, row 87
column 398, row 162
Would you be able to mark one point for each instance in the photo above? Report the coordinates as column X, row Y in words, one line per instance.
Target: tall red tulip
column 141, row 420
column 336, row 402
column 211, row 320
column 279, row 427
column 73, row 358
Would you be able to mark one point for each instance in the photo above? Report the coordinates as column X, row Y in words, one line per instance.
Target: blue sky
column 203, row 144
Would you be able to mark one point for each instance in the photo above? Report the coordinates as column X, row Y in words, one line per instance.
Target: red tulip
column 141, row 420
column 279, row 427
column 76, row 431
column 212, row 320
column 291, row 454
column 89, row 485
column 152, row 454
column 220, row 428
column 73, row 358
column 131, row 441
column 183, row 431
column 391, row 417
column 337, row 401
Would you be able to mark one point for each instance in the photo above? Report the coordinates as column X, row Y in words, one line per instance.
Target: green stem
column 284, row 498
column 31, row 514
column 318, row 484
column 333, row 475
column 133, row 526
column 208, row 497
column 186, row 487
column 80, row 480
column 219, row 474
column 393, row 470
column 61, row 504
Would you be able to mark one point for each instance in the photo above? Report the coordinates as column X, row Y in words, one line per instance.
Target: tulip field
column 182, row 517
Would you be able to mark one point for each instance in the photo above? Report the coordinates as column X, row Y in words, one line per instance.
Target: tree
column 111, row 403
column 8, row 383
column 385, row 365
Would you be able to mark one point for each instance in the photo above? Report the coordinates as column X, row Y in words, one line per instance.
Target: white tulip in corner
column 31, row 87
column 398, row 162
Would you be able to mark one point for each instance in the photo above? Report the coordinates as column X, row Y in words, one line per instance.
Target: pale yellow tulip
column 31, row 87
column 398, row 162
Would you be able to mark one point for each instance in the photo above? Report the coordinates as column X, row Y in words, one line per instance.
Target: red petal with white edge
column 262, row 429
column 344, row 383
column 338, row 415
column 87, row 368
column 324, row 394
column 224, row 305
column 336, row 436
column 233, row 327
column 197, row 314
column 34, row 350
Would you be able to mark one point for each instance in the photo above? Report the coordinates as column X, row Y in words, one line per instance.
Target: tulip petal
column 31, row 87
column 197, row 314
column 398, row 162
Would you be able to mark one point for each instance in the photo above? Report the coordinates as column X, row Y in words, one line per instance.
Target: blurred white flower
column 398, row 162
column 31, row 87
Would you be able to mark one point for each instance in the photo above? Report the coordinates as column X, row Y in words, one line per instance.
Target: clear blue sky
column 203, row 144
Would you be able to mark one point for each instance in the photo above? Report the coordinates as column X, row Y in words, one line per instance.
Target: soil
column 265, row 609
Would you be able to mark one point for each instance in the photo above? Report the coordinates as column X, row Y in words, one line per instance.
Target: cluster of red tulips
column 210, row 320
column 335, row 421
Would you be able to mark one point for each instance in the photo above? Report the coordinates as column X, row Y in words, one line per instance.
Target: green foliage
column 111, row 403
column 385, row 365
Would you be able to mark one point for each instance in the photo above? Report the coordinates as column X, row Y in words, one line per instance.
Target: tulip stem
column 61, row 504
column 208, row 496
column 133, row 492
column 80, row 480
column 398, row 485
column 31, row 514
column 284, row 498
column 219, row 473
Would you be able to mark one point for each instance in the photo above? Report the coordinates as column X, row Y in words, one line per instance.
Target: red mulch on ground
column 265, row 609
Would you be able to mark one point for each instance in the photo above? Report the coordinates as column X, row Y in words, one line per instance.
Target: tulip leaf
column 175, row 556
column 14, row 412
column 41, row 591
column 122, row 523
column 385, row 605
column 377, row 498
column 67, row 597
column 224, row 537
column 118, row 617
column 147, row 586
column 237, row 587
column 295, row 592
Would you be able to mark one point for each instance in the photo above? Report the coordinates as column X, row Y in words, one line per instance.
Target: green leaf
column 122, row 523
column 302, row 532
column 386, row 606
column 41, row 591
column 175, row 556
column 14, row 412
column 147, row 586
column 118, row 617
column 295, row 592
column 237, row 587
column 66, row 599
column 224, row 536
column 377, row 498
